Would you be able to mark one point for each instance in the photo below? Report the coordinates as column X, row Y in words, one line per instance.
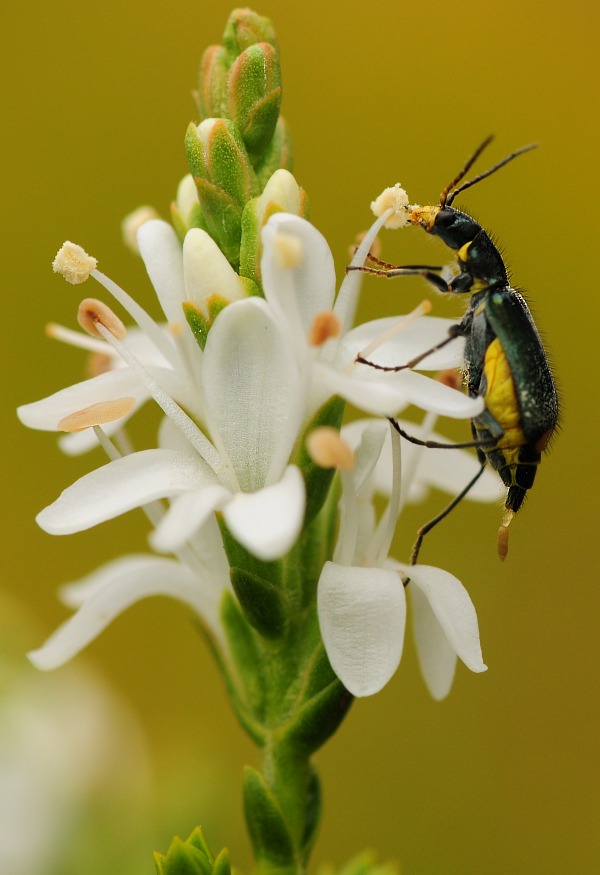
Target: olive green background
column 504, row 776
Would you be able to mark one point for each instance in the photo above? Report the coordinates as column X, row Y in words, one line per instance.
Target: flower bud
column 224, row 179
column 186, row 211
column 254, row 96
column 277, row 155
column 212, row 82
column 245, row 28
column 281, row 194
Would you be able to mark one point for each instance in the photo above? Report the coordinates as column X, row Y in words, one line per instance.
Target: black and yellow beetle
column 505, row 361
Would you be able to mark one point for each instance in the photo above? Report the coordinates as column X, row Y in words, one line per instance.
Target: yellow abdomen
column 501, row 397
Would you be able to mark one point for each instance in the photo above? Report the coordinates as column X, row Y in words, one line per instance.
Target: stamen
column 325, row 325
column 396, row 199
column 140, row 317
column 389, row 521
column 289, row 249
column 93, row 313
column 96, row 414
column 181, row 419
column 73, row 263
column 76, row 338
column 503, row 535
column 328, row 450
column 423, row 309
column 375, row 245
column 132, row 223
column 346, row 301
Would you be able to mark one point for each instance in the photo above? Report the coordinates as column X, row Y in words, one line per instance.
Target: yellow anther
column 91, row 312
column 328, row 449
column 96, row 414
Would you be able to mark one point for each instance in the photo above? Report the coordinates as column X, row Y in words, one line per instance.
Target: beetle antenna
column 444, row 199
column 476, row 179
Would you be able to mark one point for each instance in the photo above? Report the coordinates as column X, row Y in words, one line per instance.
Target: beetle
column 504, row 357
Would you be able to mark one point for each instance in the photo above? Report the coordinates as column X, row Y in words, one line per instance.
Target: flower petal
column 429, row 394
column 437, row 658
column 372, row 396
column 362, row 615
column 111, row 590
column 188, row 512
column 453, row 609
column 253, row 392
column 448, row 470
column 160, row 249
column 418, row 336
column 122, row 485
column 313, row 279
column 269, row 521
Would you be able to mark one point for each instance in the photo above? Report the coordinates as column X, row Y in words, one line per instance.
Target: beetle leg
column 453, row 332
column 432, row 523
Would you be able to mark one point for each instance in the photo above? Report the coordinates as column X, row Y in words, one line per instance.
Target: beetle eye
column 444, row 218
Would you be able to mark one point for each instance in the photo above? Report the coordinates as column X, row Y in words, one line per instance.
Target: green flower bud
column 254, row 95
column 212, row 82
column 278, row 154
column 224, row 179
column 281, row 194
column 191, row 857
column 245, row 28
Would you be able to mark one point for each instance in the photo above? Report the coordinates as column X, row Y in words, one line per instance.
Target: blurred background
column 504, row 776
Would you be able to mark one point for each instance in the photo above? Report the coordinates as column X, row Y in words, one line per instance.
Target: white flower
column 361, row 594
column 234, row 411
column 300, row 292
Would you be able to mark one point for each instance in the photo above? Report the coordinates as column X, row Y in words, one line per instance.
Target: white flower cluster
column 234, row 412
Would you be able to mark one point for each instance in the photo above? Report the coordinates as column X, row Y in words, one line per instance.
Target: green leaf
column 246, row 654
column 182, row 859
column 268, row 830
column 263, row 603
column 318, row 718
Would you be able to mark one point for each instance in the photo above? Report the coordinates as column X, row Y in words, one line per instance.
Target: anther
column 396, row 199
column 73, row 263
column 289, row 250
column 91, row 312
column 328, row 449
column 96, row 414
column 325, row 325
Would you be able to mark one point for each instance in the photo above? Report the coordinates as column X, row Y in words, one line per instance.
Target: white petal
column 430, row 394
column 437, row 658
column 313, row 279
column 371, row 395
column 46, row 413
column 453, row 609
column 187, row 514
column 111, row 590
column 207, row 271
column 416, row 337
column 253, row 392
column 269, row 521
column 362, row 615
column 122, row 485
column 448, row 470
column 160, row 248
